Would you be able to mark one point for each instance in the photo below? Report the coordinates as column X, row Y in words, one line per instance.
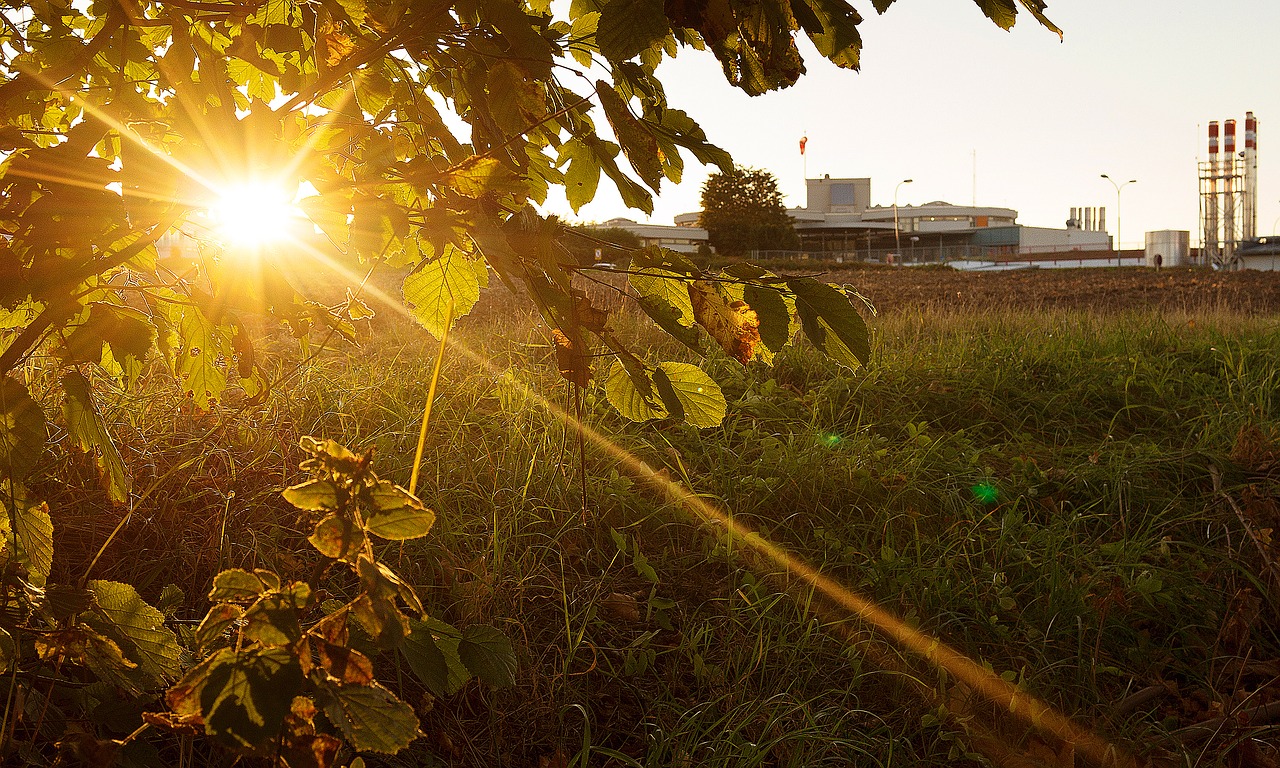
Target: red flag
column 803, row 140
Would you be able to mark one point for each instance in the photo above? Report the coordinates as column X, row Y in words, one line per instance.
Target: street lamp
column 897, row 233
column 1118, row 188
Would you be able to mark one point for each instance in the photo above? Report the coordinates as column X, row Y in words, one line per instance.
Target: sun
column 253, row 214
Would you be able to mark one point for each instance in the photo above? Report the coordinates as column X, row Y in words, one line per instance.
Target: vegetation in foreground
column 1085, row 505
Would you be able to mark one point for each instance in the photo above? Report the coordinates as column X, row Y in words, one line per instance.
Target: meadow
column 1082, row 500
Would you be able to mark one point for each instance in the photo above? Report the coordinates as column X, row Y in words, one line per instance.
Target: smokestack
column 1212, row 225
column 1213, row 140
column 1250, row 213
column 1102, row 224
column 1229, row 224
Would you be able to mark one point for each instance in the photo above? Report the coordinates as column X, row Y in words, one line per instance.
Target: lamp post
column 1118, row 188
column 897, row 233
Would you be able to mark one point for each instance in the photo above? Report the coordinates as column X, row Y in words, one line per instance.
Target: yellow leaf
column 732, row 323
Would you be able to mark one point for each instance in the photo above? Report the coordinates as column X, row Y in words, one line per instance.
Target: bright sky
column 1129, row 93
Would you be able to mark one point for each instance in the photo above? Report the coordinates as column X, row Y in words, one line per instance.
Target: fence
column 1045, row 256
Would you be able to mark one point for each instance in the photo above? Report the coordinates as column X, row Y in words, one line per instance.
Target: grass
column 1033, row 488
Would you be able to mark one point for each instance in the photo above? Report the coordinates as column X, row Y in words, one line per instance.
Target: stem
column 431, row 395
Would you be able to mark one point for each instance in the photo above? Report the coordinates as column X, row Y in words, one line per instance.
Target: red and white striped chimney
column 1213, row 140
column 1250, row 176
column 1229, row 138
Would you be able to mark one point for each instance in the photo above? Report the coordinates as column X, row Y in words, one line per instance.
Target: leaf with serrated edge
column 397, row 515
column 831, row 322
column 33, row 534
column 488, row 654
column 22, row 430
column 431, row 650
column 89, row 430
column 701, row 399
column 235, row 585
column 138, row 628
column 624, row 395
column 730, row 321
column 371, row 717
column 313, row 496
column 436, row 282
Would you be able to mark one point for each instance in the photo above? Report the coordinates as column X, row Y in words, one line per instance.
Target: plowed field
column 1099, row 289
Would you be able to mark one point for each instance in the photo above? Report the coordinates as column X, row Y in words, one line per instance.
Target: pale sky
column 1129, row 92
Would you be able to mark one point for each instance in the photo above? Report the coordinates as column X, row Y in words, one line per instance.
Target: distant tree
column 742, row 211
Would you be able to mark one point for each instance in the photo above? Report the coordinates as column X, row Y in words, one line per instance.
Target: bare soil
column 1099, row 289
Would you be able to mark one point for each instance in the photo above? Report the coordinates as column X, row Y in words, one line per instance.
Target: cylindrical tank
column 1173, row 246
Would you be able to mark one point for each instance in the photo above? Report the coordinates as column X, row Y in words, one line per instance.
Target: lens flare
column 253, row 214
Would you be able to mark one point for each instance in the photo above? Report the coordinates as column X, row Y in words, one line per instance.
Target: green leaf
column 371, row 717
column 86, row 426
column 488, row 654
column 1003, row 12
column 831, row 322
column 62, row 601
column 397, row 515
column 137, row 628
column 832, row 26
column 582, row 177
column 219, row 618
column 638, row 144
column 628, row 27
column 22, row 430
column 128, row 334
column 431, row 650
column 635, row 401
column 236, row 585
column 775, row 314
column 337, row 537
column 33, row 539
column 453, row 277
column 684, row 391
column 275, row 619
column 313, row 496
column 700, row 398
column 197, row 363
column 241, row 696
column 331, row 213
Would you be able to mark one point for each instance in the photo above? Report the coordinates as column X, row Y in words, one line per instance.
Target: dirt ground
column 1099, row 289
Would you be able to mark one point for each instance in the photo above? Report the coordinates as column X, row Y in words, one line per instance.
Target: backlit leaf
column 371, row 717
column 679, row 390
column 582, row 177
column 137, row 628
column 22, row 430
column 627, row 27
column 452, row 277
column 831, row 322
column 236, row 585
column 218, row 620
column 242, row 697
column 33, row 537
column 637, row 143
column 86, row 426
column 313, row 496
column 397, row 515
column 730, row 321
column 337, row 537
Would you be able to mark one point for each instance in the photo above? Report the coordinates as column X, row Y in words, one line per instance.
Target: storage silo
column 1173, row 246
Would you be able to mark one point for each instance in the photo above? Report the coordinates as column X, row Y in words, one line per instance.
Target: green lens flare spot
column 829, row 440
column 985, row 493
